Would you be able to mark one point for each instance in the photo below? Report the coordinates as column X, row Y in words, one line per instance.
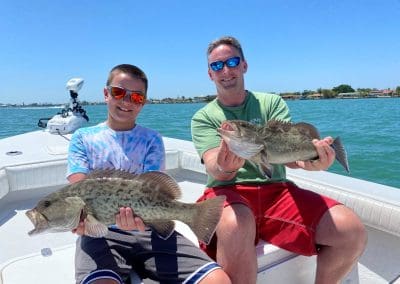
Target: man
column 122, row 144
column 273, row 209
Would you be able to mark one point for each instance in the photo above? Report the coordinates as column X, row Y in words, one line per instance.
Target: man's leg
column 236, row 252
column 342, row 237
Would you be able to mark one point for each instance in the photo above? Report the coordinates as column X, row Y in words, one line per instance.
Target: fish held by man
column 153, row 196
column 276, row 142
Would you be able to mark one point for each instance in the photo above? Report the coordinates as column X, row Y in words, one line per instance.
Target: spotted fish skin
column 276, row 142
column 153, row 196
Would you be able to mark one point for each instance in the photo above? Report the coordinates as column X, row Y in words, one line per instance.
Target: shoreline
column 180, row 101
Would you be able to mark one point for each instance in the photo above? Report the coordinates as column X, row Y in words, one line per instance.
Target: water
column 369, row 128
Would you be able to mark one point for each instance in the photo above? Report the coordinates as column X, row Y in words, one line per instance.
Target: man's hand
column 227, row 160
column 326, row 156
column 125, row 220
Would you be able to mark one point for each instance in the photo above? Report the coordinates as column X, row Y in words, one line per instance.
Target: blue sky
column 290, row 45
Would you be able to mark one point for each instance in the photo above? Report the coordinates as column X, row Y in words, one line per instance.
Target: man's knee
column 351, row 224
column 341, row 226
column 357, row 235
column 237, row 217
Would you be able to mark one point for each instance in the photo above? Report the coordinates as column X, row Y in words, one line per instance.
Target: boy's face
column 122, row 113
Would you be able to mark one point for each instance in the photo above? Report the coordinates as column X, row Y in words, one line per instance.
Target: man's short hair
column 228, row 40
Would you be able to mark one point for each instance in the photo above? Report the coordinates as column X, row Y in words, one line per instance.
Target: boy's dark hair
column 129, row 69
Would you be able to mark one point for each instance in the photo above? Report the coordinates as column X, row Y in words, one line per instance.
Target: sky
column 289, row 45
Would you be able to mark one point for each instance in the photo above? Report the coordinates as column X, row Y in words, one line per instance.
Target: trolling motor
column 71, row 117
column 74, row 85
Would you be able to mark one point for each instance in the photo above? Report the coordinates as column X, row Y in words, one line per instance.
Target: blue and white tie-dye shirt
column 99, row 147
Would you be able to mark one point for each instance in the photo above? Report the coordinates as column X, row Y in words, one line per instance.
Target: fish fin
column 286, row 126
column 94, row 228
column 262, row 165
column 278, row 125
column 266, row 169
column 205, row 221
column 341, row 154
column 307, row 129
column 163, row 183
column 163, row 228
column 155, row 180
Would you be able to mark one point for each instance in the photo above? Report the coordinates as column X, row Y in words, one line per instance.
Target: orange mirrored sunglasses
column 119, row 93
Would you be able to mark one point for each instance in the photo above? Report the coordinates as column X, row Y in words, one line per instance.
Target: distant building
column 199, row 99
column 316, row 96
column 387, row 93
column 350, row 95
column 290, row 97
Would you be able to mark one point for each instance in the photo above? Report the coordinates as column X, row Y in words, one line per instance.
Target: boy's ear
column 106, row 94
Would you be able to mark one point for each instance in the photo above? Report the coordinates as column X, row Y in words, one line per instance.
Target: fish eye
column 46, row 203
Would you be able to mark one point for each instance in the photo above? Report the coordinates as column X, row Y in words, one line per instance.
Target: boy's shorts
column 172, row 260
column 286, row 215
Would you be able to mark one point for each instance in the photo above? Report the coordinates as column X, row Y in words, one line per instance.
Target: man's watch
column 225, row 172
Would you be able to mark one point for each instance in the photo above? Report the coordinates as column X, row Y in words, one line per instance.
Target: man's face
column 122, row 113
column 228, row 78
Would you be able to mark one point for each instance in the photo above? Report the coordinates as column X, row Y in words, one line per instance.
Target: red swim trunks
column 287, row 216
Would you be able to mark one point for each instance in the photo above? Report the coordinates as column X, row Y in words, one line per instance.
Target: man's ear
column 244, row 66
column 210, row 74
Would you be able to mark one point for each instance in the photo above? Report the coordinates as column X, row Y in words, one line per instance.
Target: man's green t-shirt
column 258, row 108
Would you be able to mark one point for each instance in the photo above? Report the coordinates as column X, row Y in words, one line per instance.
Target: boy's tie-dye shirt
column 99, row 147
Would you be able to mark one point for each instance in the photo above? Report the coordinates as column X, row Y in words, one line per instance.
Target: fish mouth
column 226, row 130
column 225, row 134
column 38, row 220
column 228, row 125
column 238, row 144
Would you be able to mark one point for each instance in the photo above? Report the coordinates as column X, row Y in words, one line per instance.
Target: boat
column 72, row 116
column 34, row 164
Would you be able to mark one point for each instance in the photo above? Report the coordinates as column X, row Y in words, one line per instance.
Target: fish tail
column 207, row 217
column 341, row 154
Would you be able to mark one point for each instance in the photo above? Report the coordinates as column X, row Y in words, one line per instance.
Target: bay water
column 369, row 128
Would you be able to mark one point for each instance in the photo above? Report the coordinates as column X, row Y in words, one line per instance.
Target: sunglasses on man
column 119, row 93
column 230, row 63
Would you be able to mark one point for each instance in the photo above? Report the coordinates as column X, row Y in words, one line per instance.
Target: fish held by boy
column 152, row 195
column 276, row 142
